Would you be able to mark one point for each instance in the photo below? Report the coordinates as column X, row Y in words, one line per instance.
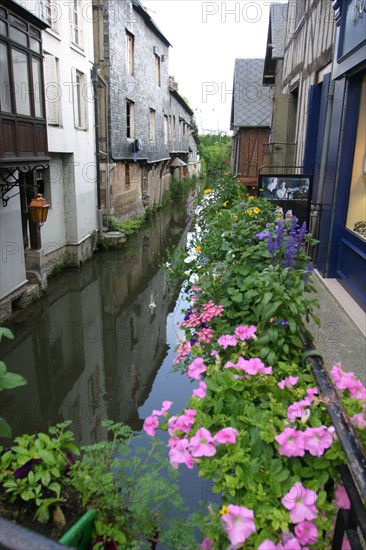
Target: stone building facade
column 144, row 123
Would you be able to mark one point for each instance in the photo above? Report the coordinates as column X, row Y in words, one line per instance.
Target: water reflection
column 92, row 347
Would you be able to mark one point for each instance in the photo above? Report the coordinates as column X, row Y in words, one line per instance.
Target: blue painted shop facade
column 336, row 117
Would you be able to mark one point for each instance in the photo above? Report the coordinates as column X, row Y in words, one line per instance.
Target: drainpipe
column 97, row 154
column 324, row 157
column 317, row 207
column 107, row 199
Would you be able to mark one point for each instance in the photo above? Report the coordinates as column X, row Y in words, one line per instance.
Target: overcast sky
column 206, row 38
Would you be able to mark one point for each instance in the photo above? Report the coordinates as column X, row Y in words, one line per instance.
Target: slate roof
column 252, row 102
column 278, row 20
column 137, row 4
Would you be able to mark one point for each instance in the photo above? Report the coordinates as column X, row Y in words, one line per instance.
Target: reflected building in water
column 91, row 348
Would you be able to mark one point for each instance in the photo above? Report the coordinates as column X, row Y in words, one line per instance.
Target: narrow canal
column 100, row 344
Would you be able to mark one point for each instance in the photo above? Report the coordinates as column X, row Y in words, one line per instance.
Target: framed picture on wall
column 291, row 193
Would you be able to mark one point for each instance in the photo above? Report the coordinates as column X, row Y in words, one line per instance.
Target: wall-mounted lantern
column 38, row 209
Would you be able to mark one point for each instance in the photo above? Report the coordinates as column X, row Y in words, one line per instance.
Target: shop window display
column 356, row 214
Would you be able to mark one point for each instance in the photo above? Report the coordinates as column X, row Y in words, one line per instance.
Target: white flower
column 189, row 259
column 193, row 278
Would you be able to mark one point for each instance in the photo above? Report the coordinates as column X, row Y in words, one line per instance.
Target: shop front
column 342, row 230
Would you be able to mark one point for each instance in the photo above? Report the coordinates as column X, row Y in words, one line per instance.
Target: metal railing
column 353, row 521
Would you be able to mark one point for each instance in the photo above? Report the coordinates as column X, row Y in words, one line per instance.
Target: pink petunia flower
column 238, row 523
column 227, row 340
column 207, row 544
column 359, row 420
column 267, row 545
column 301, row 503
column 311, row 392
column 182, row 423
column 196, row 368
column 306, row 532
column 244, row 333
column 317, row 440
column 342, row 498
column 226, row 435
column 291, row 544
column 291, row 442
column 164, row 409
column 346, row 544
column 252, row 366
column 357, row 390
column 342, row 379
column 179, row 454
column 297, row 409
column 288, row 382
column 201, row 391
column 150, row 425
column 202, row 443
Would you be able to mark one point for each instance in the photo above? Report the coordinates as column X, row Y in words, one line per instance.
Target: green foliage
column 8, row 381
column 133, row 489
column 247, row 259
column 127, row 226
column 34, row 468
column 215, row 151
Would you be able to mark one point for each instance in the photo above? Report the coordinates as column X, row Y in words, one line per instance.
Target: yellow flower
column 226, row 173
column 225, row 203
column 249, row 212
column 256, row 210
column 207, row 191
column 251, row 197
column 198, row 248
column 280, row 216
column 224, row 510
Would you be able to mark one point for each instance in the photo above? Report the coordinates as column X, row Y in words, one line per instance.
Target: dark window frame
column 28, row 131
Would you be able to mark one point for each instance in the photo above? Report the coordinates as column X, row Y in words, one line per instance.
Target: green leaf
column 237, row 298
column 55, row 487
column 10, row 380
column 46, row 478
column 5, row 429
column 47, row 456
column 7, row 333
column 270, row 309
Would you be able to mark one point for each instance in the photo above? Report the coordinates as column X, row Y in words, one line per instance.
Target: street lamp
column 38, row 209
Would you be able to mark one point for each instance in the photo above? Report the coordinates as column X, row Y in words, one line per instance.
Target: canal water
column 100, row 344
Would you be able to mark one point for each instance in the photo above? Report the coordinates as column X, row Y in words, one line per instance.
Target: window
column 130, row 119
column 22, row 113
column 165, row 129
column 127, row 176
column 52, row 89
column 299, row 7
column 21, row 85
column 152, row 124
column 356, row 214
column 51, row 13
column 5, row 97
column 157, row 70
column 174, row 128
column 76, row 20
column 129, row 53
column 79, row 81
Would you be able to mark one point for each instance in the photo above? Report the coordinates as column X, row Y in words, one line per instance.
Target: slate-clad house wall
column 146, row 128
column 250, row 119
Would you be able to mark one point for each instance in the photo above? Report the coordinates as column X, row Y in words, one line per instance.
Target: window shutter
column 74, row 97
column 52, row 91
